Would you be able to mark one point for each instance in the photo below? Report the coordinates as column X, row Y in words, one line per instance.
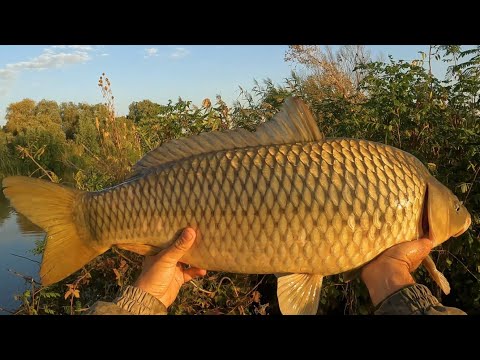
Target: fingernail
column 187, row 234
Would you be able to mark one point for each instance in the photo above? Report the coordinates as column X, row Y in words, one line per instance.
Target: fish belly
column 319, row 208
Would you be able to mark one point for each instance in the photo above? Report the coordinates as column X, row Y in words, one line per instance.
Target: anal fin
column 299, row 294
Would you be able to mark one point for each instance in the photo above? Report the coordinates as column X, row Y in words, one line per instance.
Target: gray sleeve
column 132, row 301
column 414, row 300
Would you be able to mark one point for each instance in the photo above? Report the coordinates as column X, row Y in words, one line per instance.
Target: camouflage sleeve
column 414, row 300
column 132, row 301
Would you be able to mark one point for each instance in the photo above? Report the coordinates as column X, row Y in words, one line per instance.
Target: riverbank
column 18, row 238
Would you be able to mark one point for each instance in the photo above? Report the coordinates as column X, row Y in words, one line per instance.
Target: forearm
column 132, row 301
column 414, row 299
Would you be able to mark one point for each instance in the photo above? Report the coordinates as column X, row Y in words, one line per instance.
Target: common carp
column 283, row 199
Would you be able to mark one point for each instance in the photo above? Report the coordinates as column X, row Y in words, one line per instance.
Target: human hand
column 163, row 275
column 392, row 269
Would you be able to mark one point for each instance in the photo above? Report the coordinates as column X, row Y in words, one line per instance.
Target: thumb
column 181, row 245
column 419, row 250
column 410, row 253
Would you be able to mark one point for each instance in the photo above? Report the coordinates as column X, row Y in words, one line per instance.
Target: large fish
column 283, row 199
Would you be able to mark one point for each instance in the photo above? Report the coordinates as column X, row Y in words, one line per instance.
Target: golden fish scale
column 319, row 208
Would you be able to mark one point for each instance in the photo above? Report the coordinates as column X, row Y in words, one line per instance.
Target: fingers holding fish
column 410, row 253
column 192, row 273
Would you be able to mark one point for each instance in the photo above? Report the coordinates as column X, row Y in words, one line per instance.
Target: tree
column 20, row 116
column 47, row 113
column 70, row 115
column 87, row 133
column 144, row 109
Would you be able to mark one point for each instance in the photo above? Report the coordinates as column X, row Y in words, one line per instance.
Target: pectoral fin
column 436, row 275
column 299, row 294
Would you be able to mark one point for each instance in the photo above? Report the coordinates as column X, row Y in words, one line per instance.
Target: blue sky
column 154, row 72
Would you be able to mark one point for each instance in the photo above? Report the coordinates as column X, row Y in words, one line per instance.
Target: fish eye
column 457, row 207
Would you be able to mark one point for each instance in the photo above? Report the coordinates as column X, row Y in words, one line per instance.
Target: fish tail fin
column 52, row 207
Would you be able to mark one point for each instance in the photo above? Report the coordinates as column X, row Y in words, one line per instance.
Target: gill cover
column 447, row 216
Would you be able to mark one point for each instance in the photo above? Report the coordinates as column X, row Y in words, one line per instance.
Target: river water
column 17, row 239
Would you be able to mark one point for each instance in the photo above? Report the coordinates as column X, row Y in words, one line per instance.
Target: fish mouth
column 465, row 228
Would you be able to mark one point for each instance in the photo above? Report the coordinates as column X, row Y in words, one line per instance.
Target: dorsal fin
column 293, row 123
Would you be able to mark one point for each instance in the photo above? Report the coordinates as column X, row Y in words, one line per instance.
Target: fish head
column 447, row 216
